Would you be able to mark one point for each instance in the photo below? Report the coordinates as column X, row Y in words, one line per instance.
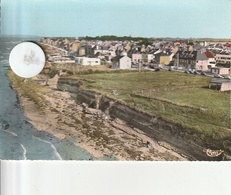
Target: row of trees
column 141, row 40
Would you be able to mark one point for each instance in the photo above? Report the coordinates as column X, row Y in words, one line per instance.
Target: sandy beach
column 91, row 129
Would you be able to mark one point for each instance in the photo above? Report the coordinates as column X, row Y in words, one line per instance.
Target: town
column 209, row 58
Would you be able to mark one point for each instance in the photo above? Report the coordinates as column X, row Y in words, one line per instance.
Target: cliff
column 183, row 140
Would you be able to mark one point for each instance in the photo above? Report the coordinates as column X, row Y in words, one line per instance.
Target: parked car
column 157, row 69
column 227, row 77
column 196, row 73
column 203, row 73
column 218, row 76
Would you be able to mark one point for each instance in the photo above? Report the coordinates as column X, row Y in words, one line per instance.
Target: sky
column 136, row 18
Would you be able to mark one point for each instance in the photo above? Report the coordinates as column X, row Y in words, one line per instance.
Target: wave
column 12, row 133
column 24, row 152
column 52, row 146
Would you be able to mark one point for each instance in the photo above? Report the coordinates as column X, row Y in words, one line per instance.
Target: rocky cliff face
column 181, row 139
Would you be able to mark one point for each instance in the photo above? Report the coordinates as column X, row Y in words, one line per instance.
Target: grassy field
column 176, row 97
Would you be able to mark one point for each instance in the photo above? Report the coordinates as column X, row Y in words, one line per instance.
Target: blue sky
column 145, row 18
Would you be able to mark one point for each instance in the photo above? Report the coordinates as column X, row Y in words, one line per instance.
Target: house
column 227, row 46
column 201, row 61
column 74, row 46
column 191, row 60
column 81, row 51
column 121, row 62
column 220, row 70
column 223, row 58
column 162, row 57
column 136, row 57
column 220, row 84
column 211, row 59
column 142, row 57
column 85, row 50
column 150, row 57
column 86, row 61
column 102, row 49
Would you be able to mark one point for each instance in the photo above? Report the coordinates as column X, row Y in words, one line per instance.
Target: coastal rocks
column 4, row 124
column 69, row 85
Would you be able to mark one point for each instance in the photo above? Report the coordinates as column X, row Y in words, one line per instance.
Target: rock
column 91, row 111
column 84, row 105
column 4, row 124
column 115, row 92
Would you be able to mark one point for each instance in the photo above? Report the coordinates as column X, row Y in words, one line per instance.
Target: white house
column 85, row 61
column 121, row 62
column 211, row 59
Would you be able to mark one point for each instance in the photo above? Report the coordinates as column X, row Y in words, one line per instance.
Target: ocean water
column 19, row 140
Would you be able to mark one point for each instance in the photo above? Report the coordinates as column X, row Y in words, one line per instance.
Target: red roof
column 227, row 45
column 209, row 54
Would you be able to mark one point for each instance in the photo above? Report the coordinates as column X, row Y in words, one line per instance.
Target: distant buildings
column 198, row 60
column 181, row 53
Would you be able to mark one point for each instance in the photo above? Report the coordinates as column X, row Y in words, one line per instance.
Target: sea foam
column 24, row 152
column 52, row 146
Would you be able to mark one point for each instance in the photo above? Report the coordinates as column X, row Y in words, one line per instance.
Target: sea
column 19, row 139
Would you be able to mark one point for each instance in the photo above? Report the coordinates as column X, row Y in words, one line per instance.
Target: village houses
column 201, row 56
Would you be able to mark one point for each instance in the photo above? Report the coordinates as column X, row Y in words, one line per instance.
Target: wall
column 125, row 63
column 202, row 65
column 226, row 86
column 136, row 58
column 164, row 60
column 85, row 61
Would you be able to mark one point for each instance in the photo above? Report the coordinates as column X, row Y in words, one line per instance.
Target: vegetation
column 176, row 97
column 28, row 88
column 115, row 38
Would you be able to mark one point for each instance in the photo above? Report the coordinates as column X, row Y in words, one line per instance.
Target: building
column 185, row 59
column 136, row 58
column 121, row 62
column 147, row 57
column 220, row 70
column 211, row 59
column 220, row 84
column 223, row 58
column 162, row 58
column 201, row 61
column 85, row 50
column 191, row 60
column 85, row 61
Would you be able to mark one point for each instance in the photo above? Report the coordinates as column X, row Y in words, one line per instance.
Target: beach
column 89, row 128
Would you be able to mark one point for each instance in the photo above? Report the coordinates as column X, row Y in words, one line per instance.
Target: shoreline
column 90, row 128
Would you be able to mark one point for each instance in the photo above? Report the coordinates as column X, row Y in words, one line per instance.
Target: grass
column 176, row 97
column 28, row 88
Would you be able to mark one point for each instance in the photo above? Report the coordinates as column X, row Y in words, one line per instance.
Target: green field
column 176, row 97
